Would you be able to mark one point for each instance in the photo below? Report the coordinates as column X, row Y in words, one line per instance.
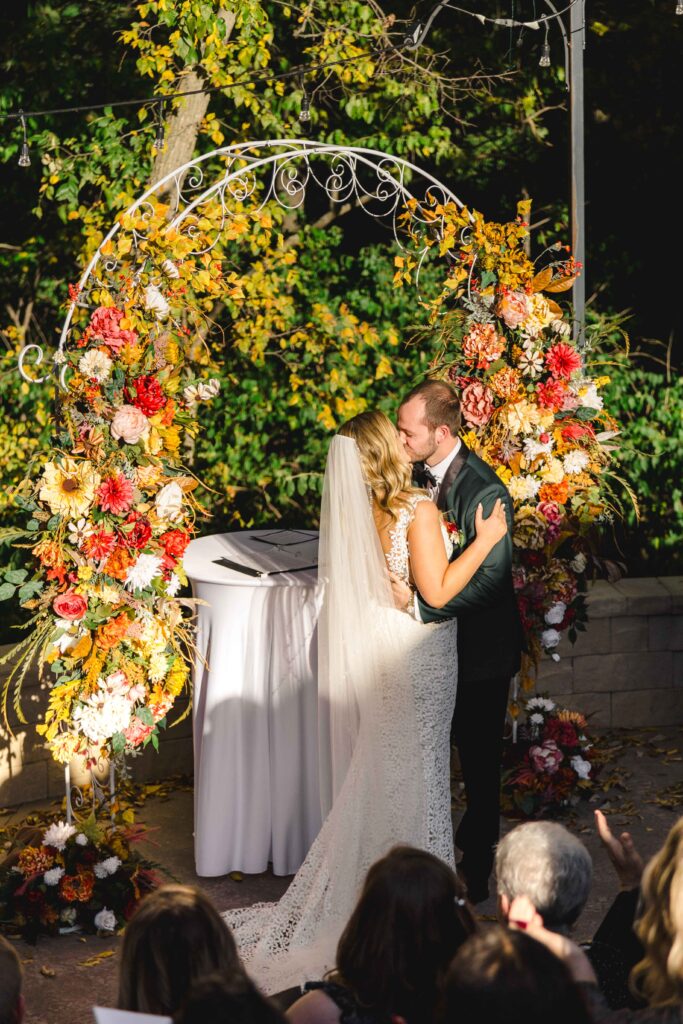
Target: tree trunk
column 182, row 125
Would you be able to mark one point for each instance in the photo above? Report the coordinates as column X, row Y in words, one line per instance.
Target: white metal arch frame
column 279, row 170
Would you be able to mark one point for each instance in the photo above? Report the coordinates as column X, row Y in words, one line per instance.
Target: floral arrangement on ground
column 67, row 877
column 552, row 765
column 530, row 406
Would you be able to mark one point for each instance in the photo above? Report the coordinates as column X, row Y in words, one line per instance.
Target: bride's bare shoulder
column 426, row 512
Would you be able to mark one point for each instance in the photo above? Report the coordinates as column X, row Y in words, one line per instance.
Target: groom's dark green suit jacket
column 490, row 637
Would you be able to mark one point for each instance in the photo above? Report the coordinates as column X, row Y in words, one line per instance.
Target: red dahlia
column 562, row 360
column 145, row 393
column 551, row 394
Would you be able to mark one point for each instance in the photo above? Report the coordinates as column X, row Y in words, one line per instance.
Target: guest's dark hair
column 174, row 938
column 505, row 977
column 442, row 405
column 409, row 921
column 218, row 1000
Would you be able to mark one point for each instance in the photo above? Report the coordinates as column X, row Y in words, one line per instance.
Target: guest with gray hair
column 544, row 861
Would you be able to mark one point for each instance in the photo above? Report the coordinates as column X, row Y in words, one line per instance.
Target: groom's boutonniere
column 453, row 530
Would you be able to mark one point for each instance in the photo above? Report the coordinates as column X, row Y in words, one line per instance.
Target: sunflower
column 69, row 487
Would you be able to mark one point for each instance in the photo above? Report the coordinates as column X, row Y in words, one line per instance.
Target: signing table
column 255, row 700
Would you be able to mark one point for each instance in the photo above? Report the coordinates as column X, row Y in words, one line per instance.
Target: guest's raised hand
column 494, row 527
column 626, row 860
column 524, row 916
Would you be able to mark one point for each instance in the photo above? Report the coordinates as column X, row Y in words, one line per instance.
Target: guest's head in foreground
column 500, row 976
column 174, row 938
column 409, row 921
column 11, row 997
column 659, row 975
column 386, row 467
column 217, row 1000
column 544, row 861
column 429, row 421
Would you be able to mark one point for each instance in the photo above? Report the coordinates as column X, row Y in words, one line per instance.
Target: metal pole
column 577, row 43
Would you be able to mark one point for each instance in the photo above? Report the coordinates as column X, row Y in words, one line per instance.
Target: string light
column 159, row 140
column 305, row 112
column 24, row 156
column 544, row 62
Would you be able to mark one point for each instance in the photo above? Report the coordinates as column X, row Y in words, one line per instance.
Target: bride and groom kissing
column 418, row 638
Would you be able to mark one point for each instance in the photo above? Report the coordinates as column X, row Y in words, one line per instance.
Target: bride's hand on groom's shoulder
column 494, row 527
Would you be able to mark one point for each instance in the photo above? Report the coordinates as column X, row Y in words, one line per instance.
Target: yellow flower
column 504, row 472
column 553, row 471
column 520, row 417
column 85, row 572
column 171, row 436
column 175, row 680
column 69, row 488
column 157, row 667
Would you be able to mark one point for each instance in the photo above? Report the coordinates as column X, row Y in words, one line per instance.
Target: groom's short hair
column 442, row 405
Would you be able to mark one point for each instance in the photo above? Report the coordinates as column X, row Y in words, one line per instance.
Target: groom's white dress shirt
column 438, row 472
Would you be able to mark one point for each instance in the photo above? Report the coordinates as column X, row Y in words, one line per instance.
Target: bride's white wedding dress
column 387, row 691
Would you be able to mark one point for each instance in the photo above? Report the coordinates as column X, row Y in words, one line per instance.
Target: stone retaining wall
column 626, row 670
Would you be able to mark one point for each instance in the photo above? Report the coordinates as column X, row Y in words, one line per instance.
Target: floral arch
column 112, row 508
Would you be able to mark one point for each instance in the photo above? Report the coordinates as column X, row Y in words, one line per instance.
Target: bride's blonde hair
column 659, row 975
column 387, row 476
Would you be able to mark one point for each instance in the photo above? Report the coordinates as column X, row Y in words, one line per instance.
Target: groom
column 490, row 636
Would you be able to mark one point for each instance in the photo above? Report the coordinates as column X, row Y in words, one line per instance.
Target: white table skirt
column 255, row 710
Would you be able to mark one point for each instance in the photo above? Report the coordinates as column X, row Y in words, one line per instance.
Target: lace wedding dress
column 386, row 697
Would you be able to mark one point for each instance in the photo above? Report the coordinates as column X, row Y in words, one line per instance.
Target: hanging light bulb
column 159, row 140
column 305, row 112
column 24, row 156
column 544, row 62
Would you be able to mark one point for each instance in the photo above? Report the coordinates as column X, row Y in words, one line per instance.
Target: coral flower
column 115, row 494
column 551, row 394
column 562, row 360
column 99, row 544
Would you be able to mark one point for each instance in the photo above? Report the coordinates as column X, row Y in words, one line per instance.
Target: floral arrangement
column 530, row 407
column 84, row 877
column 110, row 511
column 553, row 763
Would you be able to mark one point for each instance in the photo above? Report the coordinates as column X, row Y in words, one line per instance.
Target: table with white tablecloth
column 255, row 701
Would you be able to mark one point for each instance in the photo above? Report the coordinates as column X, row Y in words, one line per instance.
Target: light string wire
column 413, row 39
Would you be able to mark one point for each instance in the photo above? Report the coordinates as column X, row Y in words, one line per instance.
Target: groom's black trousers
column 477, row 731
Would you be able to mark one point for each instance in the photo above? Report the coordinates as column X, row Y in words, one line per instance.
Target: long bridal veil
column 371, row 777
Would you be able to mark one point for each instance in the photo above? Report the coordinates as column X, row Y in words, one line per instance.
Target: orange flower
column 77, row 888
column 33, row 860
column 118, row 563
column 505, row 383
column 555, row 492
column 110, row 633
column 166, row 416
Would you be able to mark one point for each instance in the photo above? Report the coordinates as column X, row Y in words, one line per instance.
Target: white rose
column 555, row 614
column 169, row 502
column 581, row 767
column 81, row 839
column 105, row 920
column 550, row 638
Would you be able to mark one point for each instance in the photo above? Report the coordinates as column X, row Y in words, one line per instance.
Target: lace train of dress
column 287, row 943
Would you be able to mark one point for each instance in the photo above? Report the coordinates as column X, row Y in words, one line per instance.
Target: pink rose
column 547, row 758
column 513, row 308
column 105, row 326
column 477, row 404
column 70, row 606
column 137, row 733
column 129, row 424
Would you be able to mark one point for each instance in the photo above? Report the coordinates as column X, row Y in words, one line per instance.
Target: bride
column 386, row 697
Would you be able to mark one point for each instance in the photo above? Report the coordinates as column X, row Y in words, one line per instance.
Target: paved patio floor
column 64, row 977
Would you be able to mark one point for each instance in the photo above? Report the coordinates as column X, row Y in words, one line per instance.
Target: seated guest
column 500, row 976
column 11, row 977
column 217, row 1000
column 409, row 921
column 174, row 938
column 545, row 862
